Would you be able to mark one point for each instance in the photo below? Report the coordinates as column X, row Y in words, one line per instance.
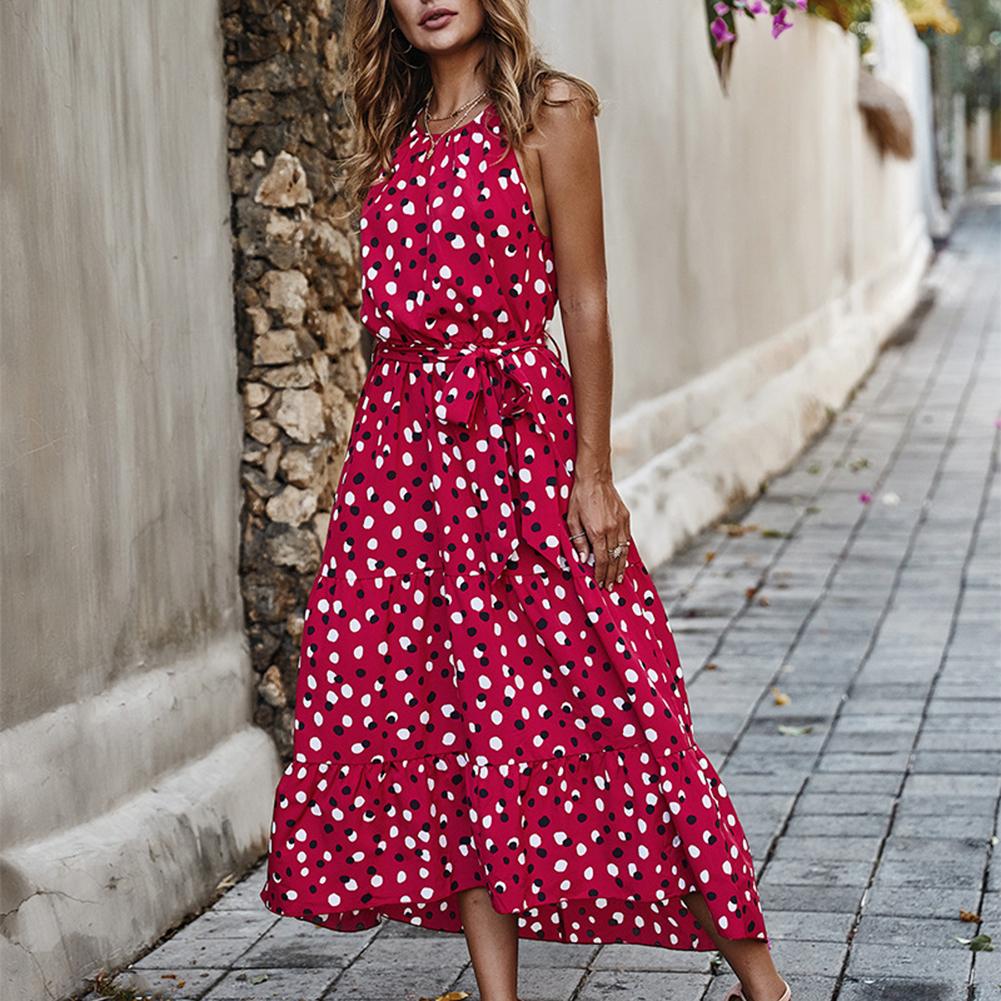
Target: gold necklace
column 434, row 137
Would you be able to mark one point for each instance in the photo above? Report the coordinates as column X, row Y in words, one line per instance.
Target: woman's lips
column 438, row 21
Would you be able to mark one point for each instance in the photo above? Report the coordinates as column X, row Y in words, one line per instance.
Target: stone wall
column 134, row 777
column 297, row 291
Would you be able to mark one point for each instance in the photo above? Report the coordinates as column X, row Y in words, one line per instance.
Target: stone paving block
column 830, row 899
column 644, row 957
column 987, row 966
column 817, row 872
column 935, row 933
column 272, row 984
column 228, row 923
column 958, row 762
column 536, row 983
column 909, row 962
column 808, row 926
column 904, row 901
column 948, row 806
column 794, row 957
column 807, row 745
column 602, row 985
column 431, row 953
column 967, row 851
column 846, row 849
column 990, row 910
column 870, row 743
column 246, row 894
column 972, row 724
column 985, row 992
column 171, row 985
column 911, row 688
column 927, row 873
column 895, row 989
column 845, row 804
column 870, row 782
column 302, row 944
column 739, row 784
column 865, row 723
column 959, row 740
column 929, row 825
column 794, row 764
column 395, row 981
column 883, row 707
column 184, row 952
column 894, row 762
column 555, row 954
column 965, row 708
column 959, row 690
column 720, row 722
column 764, row 805
column 835, row 825
column 820, row 704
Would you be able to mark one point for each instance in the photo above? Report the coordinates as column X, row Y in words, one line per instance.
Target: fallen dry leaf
column 710, row 555
column 736, row 529
column 712, row 666
column 780, row 697
column 226, row 883
column 450, row 996
column 970, row 916
column 763, row 600
column 794, row 731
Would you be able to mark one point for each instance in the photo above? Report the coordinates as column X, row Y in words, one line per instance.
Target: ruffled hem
column 412, row 834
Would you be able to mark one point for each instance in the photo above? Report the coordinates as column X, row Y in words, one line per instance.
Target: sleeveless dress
column 472, row 710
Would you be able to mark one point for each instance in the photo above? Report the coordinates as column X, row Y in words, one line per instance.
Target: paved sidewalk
column 844, row 667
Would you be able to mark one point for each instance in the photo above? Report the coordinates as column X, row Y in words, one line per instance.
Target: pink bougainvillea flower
column 755, row 6
column 865, row 497
column 722, row 8
column 997, row 422
column 801, row 4
column 721, row 32
column 781, row 22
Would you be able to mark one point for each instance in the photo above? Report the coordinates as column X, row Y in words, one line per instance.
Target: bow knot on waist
column 472, row 373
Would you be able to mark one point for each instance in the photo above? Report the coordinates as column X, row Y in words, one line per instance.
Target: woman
column 492, row 730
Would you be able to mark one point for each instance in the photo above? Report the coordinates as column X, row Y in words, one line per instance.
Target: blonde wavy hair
column 390, row 84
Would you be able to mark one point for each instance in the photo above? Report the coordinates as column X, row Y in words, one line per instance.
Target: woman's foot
column 736, row 993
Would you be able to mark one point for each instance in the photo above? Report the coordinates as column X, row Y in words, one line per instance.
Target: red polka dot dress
column 472, row 710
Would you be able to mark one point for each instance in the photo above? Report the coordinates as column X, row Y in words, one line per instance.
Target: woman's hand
column 599, row 521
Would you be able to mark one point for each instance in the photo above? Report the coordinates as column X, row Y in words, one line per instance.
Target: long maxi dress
column 472, row 710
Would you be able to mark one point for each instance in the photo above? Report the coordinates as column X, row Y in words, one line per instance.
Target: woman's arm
column 571, row 176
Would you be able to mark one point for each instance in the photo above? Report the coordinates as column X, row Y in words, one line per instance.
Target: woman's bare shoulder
column 567, row 101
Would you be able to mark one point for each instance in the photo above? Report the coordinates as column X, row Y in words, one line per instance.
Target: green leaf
column 980, row 943
column 794, row 731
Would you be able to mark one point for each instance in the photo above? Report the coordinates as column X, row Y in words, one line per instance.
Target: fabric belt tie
column 513, row 502
column 474, row 373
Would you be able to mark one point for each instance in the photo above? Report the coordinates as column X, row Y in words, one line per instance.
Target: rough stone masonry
column 296, row 280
